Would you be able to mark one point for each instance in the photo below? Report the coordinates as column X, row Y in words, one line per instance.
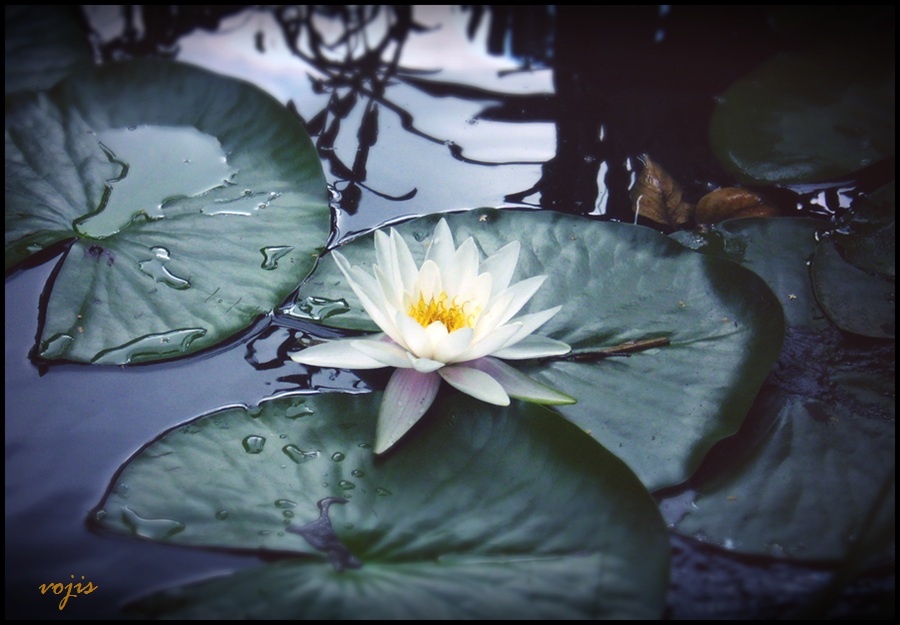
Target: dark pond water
column 543, row 109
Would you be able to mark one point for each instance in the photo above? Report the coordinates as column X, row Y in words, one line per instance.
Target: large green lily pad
column 660, row 409
column 485, row 512
column 196, row 204
column 805, row 476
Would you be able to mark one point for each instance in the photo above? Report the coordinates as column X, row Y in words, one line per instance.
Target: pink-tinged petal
column 442, row 247
column 451, row 346
column 490, row 343
column 338, row 354
column 388, row 353
column 423, row 365
column 502, row 265
column 462, row 268
column 415, row 338
column 521, row 293
column 518, row 385
column 406, row 266
column 407, row 397
column 533, row 346
column 476, row 383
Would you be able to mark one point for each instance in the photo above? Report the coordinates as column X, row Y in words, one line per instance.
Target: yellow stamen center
column 454, row 316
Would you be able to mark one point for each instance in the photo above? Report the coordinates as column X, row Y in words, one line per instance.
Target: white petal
column 518, row 385
column 370, row 296
column 415, row 338
column 423, row 365
column 436, row 332
column 521, row 293
column 384, row 252
column 502, row 265
column 386, row 352
column 476, row 383
column 407, row 397
column 491, row 317
column 406, row 266
column 533, row 346
column 442, row 248
column 393, row 295
column 452, row 345
column 490, row 343
column 463, row 268
column 476, row 291
column 339, row 354
column 428, row 283
column 530, row 323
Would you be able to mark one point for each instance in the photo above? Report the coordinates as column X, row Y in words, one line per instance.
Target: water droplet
column 222, row 515
column 156, row 268
column 383, row 492
column 420, row 236
column 317, row 308
column 285, row 503
column 298, row 455
column 357, row 473
column 297, row 409
column 264, row 532
column 337, row 456
column 157, row 529
column 56, row 346
column 345, row 485
column 325, row 484
column 150, row 347
column 255, row 412
column 288, row 514
column 253, row 444
column 99, row 515
column 365, row 445
column 272, row 254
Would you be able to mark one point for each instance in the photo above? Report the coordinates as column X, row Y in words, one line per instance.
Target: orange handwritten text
column 72, row 590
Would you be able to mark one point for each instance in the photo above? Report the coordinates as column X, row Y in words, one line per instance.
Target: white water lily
column 451, row 319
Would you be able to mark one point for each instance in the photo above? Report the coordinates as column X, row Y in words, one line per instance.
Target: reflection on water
column 439, row 108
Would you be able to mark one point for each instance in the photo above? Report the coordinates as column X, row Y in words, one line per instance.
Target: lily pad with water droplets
column 810, row 474
column 659, row 409
column 189, row 203
column 484, row 513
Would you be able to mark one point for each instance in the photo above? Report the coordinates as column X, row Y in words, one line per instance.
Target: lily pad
column 661, row 409
column 804, row 476
column 855, row 300
column 807, row 117
column 485, row 513
column 194, row 203
column 868, row 235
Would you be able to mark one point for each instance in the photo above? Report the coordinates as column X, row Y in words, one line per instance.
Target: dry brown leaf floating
column 731, row 203
column 658, row 197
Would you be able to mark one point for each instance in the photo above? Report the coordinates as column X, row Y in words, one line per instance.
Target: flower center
column 443, row 309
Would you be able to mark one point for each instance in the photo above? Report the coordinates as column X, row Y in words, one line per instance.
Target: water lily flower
column 451, row 319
